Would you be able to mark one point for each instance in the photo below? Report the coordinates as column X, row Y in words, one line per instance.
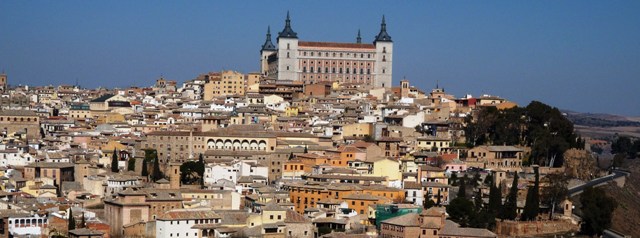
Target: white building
column 311, row 62
column 179, row 223
column 27, row 225
column 215, row 172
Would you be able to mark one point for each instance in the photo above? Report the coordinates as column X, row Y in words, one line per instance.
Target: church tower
column 384, row 57
column 3, row 82
column 174, row 175
column 267, row 49
column 287, row 52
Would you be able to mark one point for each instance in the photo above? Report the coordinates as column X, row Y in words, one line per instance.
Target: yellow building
column 252, row 81
column 389, row 168
column 357, row 129
column 292, row 111
column 228, row 83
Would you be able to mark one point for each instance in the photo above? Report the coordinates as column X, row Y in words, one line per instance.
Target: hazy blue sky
column 578, row 55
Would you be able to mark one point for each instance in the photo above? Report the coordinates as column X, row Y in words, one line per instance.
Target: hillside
column 626, row 218
column 597, row 125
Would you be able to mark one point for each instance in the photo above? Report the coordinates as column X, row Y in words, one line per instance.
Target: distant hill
column 601, row 120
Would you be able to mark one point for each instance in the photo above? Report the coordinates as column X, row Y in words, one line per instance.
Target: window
column 271, row 217
column 287, row 49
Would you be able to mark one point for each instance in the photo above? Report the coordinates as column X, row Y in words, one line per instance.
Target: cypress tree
column 477, row 200
column 461, row 190
column 72, row 221
column 427, row 202
column 157, row 175
column 114, row 162
column 82, row 221
column 495, row 199
column 439, row 202
column 131, row 164
column 201, row 161
column 532, row 204
column 145, row 171
column 510, row 208
column 453, row 180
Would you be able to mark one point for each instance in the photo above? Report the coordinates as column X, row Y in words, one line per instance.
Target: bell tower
column 384, row 57
column 287, row 52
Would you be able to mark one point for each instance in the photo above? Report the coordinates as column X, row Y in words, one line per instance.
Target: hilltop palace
column 314, row 62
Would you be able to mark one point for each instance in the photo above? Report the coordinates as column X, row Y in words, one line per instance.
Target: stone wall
column 534, row 228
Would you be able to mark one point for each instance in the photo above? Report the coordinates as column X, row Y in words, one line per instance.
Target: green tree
column 83, row 221
column 460, row 210
column 462, row 190
column 156, row 173
column 488, row 180
column 476, row 178
column 191, row 172
column 453, row 180
column 532, row 204
column 71, row 221
column 597, row 211
column 201, row 161
column 145, row 171
column 439, row 199
column 131, row 164
column 114, row 161
column 510, row 208
column 427, row 202
column 556, row 191
column 495, row 199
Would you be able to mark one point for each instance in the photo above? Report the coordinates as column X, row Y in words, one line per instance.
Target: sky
column 577, row 55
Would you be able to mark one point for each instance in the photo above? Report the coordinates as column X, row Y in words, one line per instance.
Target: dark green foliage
column 114, row 161
column 438, row 201
column 597, row 149
column 145, row 170
column 597, row 211
column 481, row 217
column 453, row 180
column 626, row 146
column 538, row 126
column 191, row 172
column 149, row 156
column 510, row 208
column 427, row 203
column 71, row 221
column 495, row 199
column 156, row 173
column 83, row 221
column 461, row 210
column 488, row 179
column 306, row 148
column 476, row 178
column 131, row 164
column 462, row 190
column 291, row 156
column 556, row 190
column 201, row 162
column 532, row 204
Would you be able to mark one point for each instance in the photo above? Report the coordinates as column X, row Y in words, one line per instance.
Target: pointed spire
column 359, row 39
column 268, row 45
column 383, row 35
column 287, row 32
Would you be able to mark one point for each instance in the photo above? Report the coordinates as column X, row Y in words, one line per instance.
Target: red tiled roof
column 335, row 45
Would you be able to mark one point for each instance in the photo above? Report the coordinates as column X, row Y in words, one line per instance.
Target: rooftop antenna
column 437, row 82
